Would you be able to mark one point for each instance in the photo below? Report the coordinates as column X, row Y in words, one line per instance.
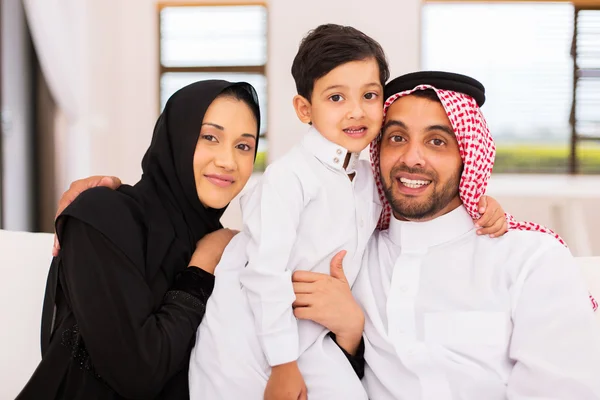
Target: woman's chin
column 216, row 202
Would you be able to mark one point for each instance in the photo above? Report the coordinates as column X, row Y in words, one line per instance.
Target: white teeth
column 413, row 183
column 354, row 130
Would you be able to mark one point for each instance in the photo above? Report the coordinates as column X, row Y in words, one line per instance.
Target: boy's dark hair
column 329, row 46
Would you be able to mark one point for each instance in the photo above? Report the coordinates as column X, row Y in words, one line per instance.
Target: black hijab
column 164, row 203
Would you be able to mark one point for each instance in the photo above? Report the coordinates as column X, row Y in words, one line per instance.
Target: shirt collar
column 329, row 153
column 422, row 235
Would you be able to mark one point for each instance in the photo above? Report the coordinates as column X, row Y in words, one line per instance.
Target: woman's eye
column 210, row 138
column 244, row 147
column 336, row 98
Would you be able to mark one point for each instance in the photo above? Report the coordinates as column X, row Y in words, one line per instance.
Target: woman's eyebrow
column 219, row 127
column 249, row 135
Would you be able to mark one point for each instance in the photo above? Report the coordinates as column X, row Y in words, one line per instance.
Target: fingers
column 307, row 276
column 303, row 395
column 302, row 300
column 482, row 204
column 336, row 268
column 55, row 247
column 68, row 197
column 498, row 228
column 301, row 287
column 111, row 182
column 75, row 189
column 487, row 219
column 81, row 185
column 304, row 313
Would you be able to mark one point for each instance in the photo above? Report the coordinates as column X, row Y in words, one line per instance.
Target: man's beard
column 414, row 209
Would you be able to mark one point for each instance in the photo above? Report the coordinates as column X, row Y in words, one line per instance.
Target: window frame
column 576, row 139
column 162, row 69
column 578, row 5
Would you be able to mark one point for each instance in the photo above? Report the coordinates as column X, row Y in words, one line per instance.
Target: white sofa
column 24, row 261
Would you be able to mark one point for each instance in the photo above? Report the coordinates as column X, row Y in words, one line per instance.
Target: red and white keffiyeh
column 477, row 150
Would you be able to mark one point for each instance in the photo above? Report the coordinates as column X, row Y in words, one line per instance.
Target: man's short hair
column 429, row 94
column 329, row 46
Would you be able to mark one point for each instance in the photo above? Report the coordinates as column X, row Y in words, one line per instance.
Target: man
column 450, row 314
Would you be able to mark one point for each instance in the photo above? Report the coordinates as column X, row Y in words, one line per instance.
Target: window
column 540, row 103
column 228, row 42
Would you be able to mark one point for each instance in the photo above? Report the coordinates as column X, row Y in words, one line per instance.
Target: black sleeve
column 357, row 361
column 133, row 346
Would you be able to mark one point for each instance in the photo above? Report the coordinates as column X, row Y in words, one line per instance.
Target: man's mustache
column 415, row 171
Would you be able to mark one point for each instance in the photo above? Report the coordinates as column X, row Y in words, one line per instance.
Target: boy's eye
column 370, row 95
column 336, row 98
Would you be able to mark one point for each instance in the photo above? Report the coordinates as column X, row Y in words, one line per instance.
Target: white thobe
column 304, row 210
column 454, row 315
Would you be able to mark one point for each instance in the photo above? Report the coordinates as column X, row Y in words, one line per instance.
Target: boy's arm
column 493, row 221
column 271, row 218
column 556, row 340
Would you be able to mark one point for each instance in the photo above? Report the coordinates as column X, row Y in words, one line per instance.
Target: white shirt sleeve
column 271, row 218
column 556, row 339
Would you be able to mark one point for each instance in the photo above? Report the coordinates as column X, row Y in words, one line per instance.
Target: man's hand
column 493, row 219
column 286, row 383
column 210, row 248
column 328, row 301
column 75, row 190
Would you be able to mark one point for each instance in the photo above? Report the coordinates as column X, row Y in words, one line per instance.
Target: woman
column 121, row 308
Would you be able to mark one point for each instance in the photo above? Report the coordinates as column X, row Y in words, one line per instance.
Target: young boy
column 313, row 202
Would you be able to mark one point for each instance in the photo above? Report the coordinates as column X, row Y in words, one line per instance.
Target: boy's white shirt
column 303, row 211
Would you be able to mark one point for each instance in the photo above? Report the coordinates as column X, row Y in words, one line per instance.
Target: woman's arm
column 134, row 344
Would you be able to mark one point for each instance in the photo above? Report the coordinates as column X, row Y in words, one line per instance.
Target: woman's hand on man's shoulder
column 78, row 187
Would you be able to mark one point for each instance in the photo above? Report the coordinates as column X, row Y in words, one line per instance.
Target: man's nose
column 414, row 155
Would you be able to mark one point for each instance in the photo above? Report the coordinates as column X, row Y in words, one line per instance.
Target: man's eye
column 396, row 138
column 438, row 142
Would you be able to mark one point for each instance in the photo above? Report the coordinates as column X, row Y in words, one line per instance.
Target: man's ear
column 303, row 108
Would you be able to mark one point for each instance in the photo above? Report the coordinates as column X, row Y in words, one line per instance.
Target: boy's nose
column 356, row 111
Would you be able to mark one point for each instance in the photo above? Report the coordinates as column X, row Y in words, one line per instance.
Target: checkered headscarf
column 477, row 150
